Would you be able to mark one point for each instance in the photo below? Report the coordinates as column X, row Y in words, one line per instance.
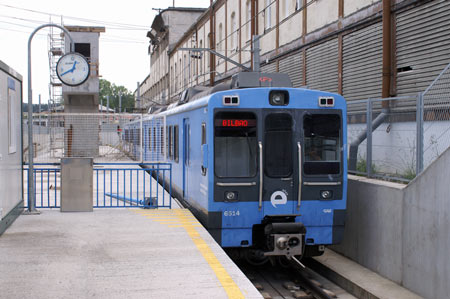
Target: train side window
column 150, row 140
column 203, row 141
column 154, row 140
column 161, row 146
column 175, row 143
column 322, row 148
column 169, row 142
column 203, row 133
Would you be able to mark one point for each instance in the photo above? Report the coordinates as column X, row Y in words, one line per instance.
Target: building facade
column 332, row 45
column 167, row 29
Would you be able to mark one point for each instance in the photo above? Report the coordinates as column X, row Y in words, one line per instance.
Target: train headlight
column 278, row 98
column 326, row 194
column 231, row 196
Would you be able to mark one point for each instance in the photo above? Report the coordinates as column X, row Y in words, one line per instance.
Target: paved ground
column 116, row 253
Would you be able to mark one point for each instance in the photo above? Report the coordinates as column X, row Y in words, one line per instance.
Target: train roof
column 238, row 81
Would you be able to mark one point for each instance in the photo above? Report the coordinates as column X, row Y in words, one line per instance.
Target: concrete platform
column 359, row 281
column 116, row 253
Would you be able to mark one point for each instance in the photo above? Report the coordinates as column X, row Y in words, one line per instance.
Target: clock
column 72, row 69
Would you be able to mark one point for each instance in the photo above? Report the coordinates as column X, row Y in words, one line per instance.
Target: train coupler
column 286, row 239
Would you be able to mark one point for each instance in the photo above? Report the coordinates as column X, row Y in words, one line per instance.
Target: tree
column 113, row 91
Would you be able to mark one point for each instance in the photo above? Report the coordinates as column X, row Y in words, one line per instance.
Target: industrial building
column 343, row 46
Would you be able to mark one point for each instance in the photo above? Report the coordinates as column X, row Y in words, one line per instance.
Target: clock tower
column 78, row 72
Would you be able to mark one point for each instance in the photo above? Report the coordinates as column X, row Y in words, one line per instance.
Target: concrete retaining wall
column 403, row 232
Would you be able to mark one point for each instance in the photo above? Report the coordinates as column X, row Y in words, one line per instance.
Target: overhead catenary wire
column 123, row 26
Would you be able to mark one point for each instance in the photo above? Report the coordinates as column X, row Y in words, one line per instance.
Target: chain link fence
column 436, row 117
column 105, row 137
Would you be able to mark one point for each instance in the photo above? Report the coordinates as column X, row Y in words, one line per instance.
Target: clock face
column 72, row 69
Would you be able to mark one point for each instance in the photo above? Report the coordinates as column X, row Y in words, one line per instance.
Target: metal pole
column 31, row 195
column 39, row 132
column 140, row 141
column 107, row 104
column 120, row 102
column 419, row 134
column 138, row 96
column 255, row 53
column 369, row 139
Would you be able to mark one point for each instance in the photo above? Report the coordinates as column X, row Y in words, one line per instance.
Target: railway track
column 291, row 281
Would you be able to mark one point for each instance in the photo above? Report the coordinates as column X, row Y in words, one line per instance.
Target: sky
column 124, row 58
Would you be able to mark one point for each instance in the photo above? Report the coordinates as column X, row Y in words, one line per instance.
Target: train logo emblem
column 278, row 198
column 265, row 79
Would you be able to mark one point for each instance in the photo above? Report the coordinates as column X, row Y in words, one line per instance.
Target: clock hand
column 68, row 71
column 71, row 70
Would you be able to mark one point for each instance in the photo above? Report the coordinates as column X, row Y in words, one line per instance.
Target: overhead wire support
column 218, row 55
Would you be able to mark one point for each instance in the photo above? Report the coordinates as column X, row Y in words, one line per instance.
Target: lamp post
column 31, row 195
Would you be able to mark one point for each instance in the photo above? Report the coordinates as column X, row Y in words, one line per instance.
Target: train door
column 279, row 175
column 186, row 147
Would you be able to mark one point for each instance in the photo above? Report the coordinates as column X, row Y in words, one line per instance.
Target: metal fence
column 389, row 149
column 105, row 137
column 115, row 185
column 400, row 141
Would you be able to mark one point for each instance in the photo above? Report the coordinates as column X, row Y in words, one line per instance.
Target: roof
column 85, row 28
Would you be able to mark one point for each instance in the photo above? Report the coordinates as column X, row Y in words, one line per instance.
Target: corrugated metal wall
column 362, row 63
column 423, row 45
column 293, row 66
column 269, row 68
column 322, row 66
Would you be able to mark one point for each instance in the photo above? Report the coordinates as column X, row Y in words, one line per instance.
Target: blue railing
column 115, row 185
column 46, row 185
column 132, row 184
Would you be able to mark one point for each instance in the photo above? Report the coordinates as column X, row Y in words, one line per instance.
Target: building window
column 267, row 15
column 248, row 20
column 219, row 42
column 219, row 38
column 208, row 57
column 84, row 49
column 286, row 8
column 185, row 71
column 201, row 58
column 234, row 35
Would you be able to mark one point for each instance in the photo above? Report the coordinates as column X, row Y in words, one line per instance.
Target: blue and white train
column 262, row 165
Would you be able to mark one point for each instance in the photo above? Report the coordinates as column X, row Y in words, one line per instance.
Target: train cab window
column 322, row 144
column 235, row 144
column 278, row 145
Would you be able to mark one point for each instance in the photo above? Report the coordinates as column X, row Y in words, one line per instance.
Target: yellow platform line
column 225, row 279
column 181, row 219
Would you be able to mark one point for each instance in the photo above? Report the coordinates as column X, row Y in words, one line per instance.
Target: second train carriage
column 261, row 165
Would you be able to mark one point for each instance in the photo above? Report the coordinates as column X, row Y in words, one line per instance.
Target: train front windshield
column 235, row 144
column 322, row 144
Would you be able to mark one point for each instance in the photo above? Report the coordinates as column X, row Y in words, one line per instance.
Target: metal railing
column 115, row 185
column 389, row 151
column 124, row 185
column 415, row 131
